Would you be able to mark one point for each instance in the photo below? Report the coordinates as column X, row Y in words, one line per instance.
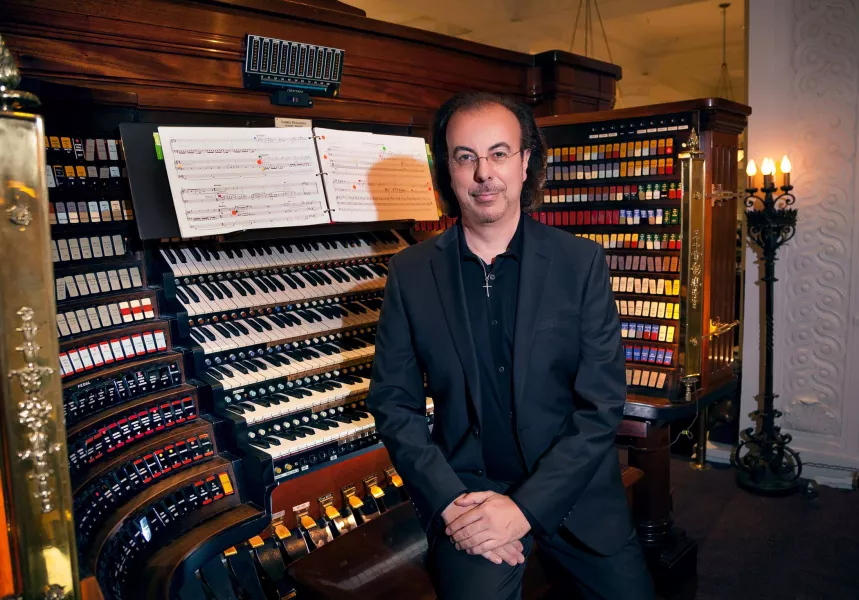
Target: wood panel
column 187, row 56
column 720, row 255
column 331, row 479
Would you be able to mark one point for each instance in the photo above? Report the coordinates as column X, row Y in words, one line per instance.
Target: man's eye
column 465, row 159
column 500, row 155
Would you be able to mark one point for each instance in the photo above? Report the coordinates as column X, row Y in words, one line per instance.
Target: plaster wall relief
column 815, row 273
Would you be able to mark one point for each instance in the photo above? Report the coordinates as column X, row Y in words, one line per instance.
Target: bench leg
column 671, row 556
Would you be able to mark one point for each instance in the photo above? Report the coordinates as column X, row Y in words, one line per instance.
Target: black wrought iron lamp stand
column 766, row 464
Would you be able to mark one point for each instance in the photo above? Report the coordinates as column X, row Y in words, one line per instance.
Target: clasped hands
column 488, row 524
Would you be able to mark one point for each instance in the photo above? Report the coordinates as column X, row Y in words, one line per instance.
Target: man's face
column 487, row 166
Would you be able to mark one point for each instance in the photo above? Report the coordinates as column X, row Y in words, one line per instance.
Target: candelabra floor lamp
column 766, row 464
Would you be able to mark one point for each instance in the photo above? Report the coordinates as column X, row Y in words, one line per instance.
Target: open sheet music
column 370, row 177
column 226, row 179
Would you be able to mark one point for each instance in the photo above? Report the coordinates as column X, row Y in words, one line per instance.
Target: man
column 512, row 327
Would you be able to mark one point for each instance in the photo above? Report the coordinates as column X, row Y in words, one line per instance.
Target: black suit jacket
column 568, row 379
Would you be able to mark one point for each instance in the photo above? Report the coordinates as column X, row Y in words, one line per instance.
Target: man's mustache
column 486, row 190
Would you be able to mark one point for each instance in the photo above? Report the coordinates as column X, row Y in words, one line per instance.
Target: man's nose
column 483, row 171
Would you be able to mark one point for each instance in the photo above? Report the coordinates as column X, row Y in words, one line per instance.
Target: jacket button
column 479, row 472
column 475, row 431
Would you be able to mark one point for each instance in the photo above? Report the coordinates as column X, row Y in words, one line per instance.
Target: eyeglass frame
column 487, row 159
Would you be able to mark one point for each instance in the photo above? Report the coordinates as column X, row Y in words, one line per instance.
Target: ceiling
column 669, row 49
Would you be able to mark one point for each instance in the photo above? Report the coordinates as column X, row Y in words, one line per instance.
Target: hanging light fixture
column 724, row 89
column 588, row 5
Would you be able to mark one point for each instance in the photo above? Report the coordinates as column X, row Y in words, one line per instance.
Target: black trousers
column 457, row 575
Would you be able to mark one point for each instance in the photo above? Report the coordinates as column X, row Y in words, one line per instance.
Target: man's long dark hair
column 532, row 139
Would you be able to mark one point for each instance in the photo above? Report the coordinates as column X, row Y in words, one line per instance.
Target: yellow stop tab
column 226, row 483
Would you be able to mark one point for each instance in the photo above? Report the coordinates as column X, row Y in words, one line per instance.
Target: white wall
column 803, row 77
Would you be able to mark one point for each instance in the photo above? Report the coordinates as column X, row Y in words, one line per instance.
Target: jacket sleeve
column 563, row 473
column 397, row 401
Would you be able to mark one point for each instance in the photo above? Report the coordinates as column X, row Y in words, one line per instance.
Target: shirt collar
column 514, row 248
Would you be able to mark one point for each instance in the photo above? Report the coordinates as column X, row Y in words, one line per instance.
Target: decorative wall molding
column 816, row 271
column 804, row 93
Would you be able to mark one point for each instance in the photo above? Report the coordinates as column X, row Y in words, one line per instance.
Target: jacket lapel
column 536, row 258
column 447, row 272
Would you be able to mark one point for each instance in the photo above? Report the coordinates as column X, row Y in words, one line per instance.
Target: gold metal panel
column 693, row 173
column 34, row 470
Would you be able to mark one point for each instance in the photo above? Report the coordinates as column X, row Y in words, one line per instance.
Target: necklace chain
column 486, row 276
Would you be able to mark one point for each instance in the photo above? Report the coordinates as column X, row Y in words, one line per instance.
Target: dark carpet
column 749, row 547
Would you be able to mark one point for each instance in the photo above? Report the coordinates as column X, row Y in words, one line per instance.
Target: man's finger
column 475, row 540
column 508, row 555
column 473, row 498
column 485, row 546
column 469, row 530
column 493, row 558
column 518, row 545
column 464, row 520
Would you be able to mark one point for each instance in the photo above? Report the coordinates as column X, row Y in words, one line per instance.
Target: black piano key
column 333, row 273
column 220, row 328
column 275, row 283
column 248, row 287
column 225, row 290
column 288, row 280
column 206, row 292
column 260, row 284
column 213, row 289
column 197, row 337
column 238, row 288
column 239, row 367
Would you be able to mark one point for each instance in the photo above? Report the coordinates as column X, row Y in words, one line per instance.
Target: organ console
column 212, row 388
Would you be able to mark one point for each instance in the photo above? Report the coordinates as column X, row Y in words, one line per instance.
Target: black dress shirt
column 492, row 315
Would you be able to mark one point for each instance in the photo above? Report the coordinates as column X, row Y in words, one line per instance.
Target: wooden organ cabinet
column 656, row 187
column 180, row 360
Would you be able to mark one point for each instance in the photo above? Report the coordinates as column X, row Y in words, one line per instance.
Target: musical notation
column 370, row 177
column 226, row 179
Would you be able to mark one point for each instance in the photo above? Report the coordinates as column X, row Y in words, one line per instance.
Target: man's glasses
column 467, row 160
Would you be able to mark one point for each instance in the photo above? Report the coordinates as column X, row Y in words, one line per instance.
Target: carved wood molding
column 187, row 56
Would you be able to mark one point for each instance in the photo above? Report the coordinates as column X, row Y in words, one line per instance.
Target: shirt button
column 479, row 472
column 492, row 277
column 475, row 431
column 495, row 322
column 500, row 369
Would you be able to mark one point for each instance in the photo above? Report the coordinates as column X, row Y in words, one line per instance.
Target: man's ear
column 526, row 156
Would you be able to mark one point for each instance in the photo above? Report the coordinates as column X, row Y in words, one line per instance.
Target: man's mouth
column 485, row 195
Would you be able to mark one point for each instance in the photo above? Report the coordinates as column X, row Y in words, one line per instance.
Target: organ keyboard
column 206, row 258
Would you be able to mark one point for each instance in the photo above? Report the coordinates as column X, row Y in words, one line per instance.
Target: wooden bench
column 386, row 558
